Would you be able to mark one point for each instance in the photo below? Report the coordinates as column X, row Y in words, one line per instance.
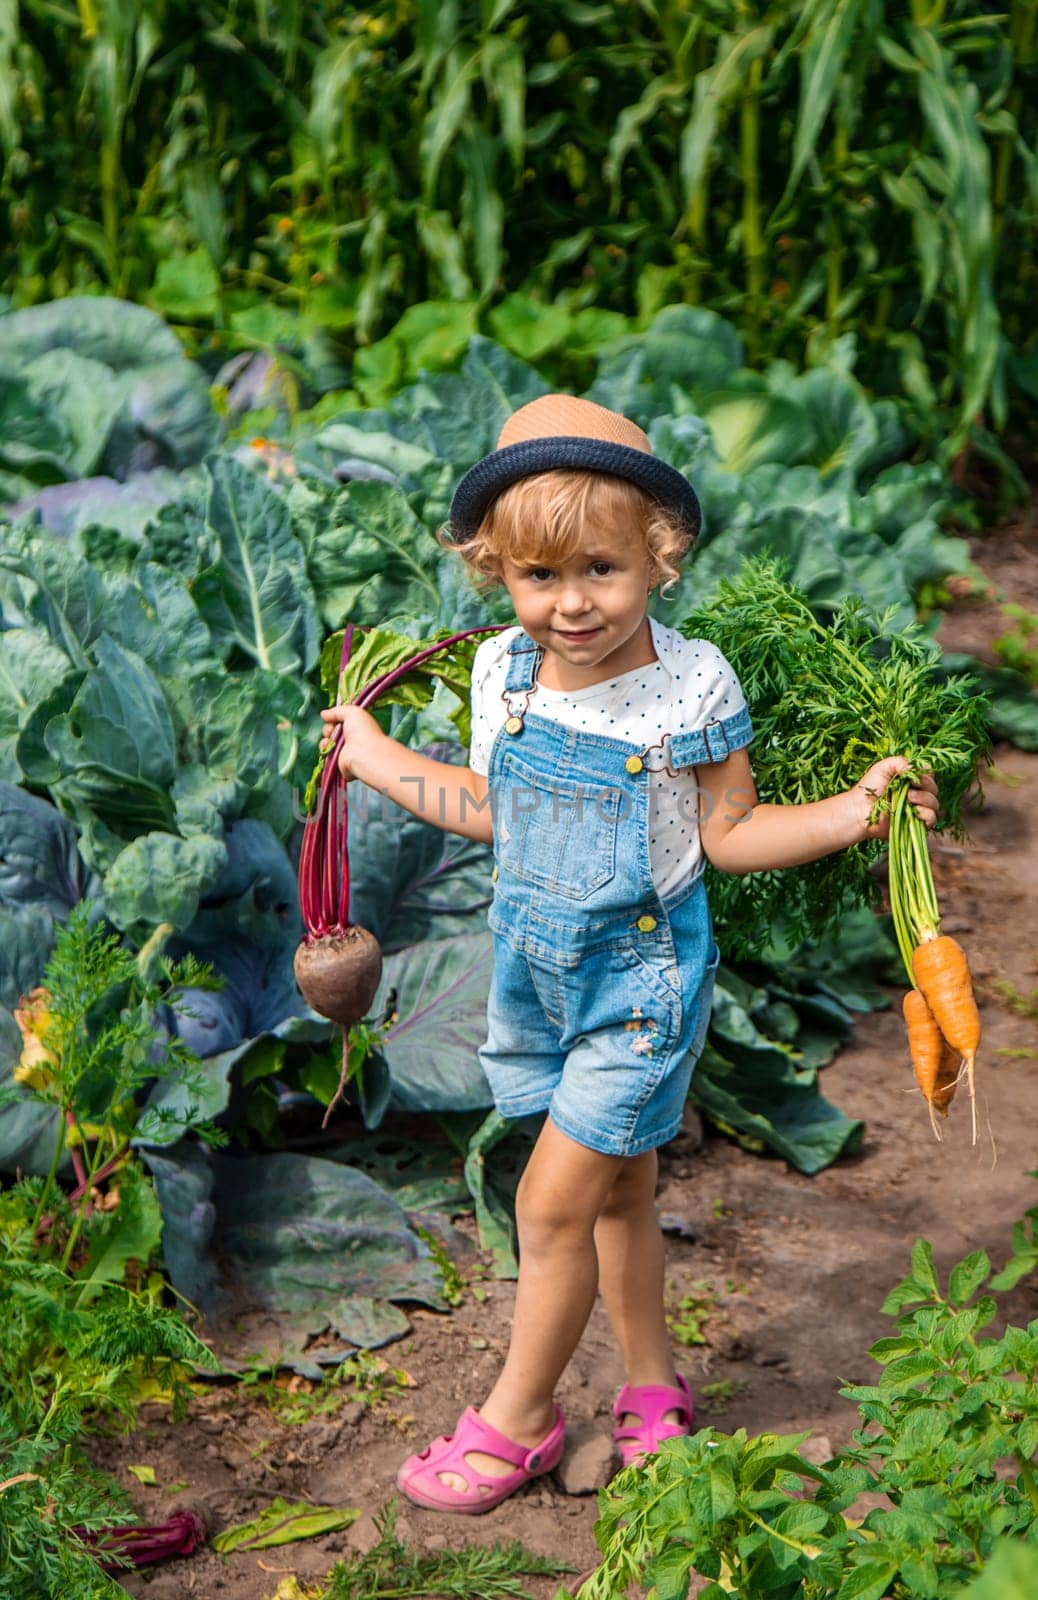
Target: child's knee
column 634, row 1186
column 547, row 1212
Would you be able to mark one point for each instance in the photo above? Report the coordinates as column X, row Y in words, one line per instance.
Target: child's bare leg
column 559, row 1197
column 630, row 1273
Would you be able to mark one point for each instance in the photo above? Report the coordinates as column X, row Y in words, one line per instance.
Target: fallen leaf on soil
column 289, row 1589
column 145, row 1475
column 284, row 1523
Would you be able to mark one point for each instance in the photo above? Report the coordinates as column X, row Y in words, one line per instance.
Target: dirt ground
column 797, row 1267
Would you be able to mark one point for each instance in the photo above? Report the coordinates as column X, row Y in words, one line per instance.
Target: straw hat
column 560, row 432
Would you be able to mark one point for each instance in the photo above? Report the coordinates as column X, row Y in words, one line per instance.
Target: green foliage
column 718, row 1396
column 47, row 1489
column 1024, row 1259
column 90, row 1046
column 74, row 1355
column 453, row 1283
column 365, row 1378
column 828, row 700
column 392, row 1571
column 84, row 1323
column 1011, row 1573
column 95, row 388
column 394, row 171
column 948, row 1436
column 77, row 1348
column 1018, row 648
column 686, row 1318
column 377, row 651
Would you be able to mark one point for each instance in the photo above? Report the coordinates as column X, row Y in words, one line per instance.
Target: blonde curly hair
column 542, row 518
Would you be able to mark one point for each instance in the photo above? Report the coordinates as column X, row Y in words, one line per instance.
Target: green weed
column 295, row 1400
column 1022, row 1005
column 453, row 1283
column 392, row 1571
column 719, row 1395
column 686, row 1321
column 1019, row 647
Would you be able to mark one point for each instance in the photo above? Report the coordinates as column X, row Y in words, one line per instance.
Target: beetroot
column 338, row 965
column 339, row 973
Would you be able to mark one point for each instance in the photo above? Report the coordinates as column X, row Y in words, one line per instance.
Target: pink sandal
column 421, row 1479
column 650, row 1403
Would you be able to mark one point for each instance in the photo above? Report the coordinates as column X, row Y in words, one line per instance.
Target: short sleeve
column 724, row 696
column 712, row 719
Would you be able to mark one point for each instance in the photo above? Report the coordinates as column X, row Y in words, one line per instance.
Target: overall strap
column 697, row 747
column 524, row 658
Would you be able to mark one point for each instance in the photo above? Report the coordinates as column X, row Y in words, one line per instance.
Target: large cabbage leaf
column 131, row 400
column 305, row 1247
column 256, row 596
column 440, row 989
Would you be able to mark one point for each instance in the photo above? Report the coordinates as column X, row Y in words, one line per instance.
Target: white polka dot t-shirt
column 689, row 685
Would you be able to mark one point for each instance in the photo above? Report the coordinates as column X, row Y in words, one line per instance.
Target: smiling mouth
column 577, row 634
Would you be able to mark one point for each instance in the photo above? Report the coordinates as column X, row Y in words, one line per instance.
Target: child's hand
column 874, row 783
column 361, row 736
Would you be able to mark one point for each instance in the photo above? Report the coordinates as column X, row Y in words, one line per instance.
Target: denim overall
column 601, row 991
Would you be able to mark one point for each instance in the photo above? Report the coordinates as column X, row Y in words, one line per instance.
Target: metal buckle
column 515, row 713
column 662, row 749
column 715, row 722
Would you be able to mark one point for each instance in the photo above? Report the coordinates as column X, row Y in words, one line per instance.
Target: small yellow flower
column 37, row 1059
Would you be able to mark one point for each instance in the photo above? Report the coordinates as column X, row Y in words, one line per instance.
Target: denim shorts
column 605, row 1046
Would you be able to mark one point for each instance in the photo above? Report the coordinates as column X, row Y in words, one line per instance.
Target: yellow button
column 634, row 764
column 494, row 876
column 645, row 924
column 513, row 724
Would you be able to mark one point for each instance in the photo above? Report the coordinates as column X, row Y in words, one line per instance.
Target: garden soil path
column 797, row 1267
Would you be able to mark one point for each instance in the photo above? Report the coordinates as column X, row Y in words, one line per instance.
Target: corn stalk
column 820, row 167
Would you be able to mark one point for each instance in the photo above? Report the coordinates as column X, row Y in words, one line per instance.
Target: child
column 608, row 757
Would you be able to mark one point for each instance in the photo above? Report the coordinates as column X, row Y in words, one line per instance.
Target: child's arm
column 452, row 798
column 740, row 834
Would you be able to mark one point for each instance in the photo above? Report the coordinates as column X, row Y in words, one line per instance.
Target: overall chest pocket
column 554, row 833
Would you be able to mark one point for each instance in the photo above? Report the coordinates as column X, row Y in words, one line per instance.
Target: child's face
column 588, row 611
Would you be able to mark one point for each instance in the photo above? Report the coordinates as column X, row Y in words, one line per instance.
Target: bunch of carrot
column 940, row 1011
column 828, row 697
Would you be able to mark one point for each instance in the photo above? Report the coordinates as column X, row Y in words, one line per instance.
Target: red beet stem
column 344, row 860
column 324, row 861
column 182, row 1534
column 338, row 854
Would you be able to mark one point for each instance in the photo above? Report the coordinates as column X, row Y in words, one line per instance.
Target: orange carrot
column 949, row 1071
column 924, row 1041
column 934, row 1062
column 942, row 976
